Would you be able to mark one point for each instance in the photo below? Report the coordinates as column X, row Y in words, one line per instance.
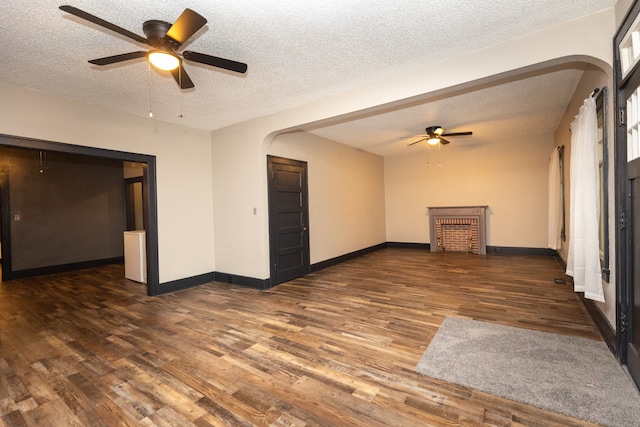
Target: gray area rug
column 573, row 376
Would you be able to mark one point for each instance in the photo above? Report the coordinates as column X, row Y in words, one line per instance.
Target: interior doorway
column 149, row 195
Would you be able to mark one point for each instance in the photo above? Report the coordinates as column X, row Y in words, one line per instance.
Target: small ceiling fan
column 435, row 135
column 165, row 40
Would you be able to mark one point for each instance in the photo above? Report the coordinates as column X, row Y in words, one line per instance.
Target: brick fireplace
column 458, row 229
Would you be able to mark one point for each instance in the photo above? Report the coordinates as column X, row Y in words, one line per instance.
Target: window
column 633, row 120
column 629, row 48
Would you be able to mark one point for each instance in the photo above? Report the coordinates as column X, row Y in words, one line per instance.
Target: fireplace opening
column 457, row 234
column 458, row 229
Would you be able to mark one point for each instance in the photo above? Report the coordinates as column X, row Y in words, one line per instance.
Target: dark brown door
column 633, row 268
column 627, row 78
column 288, row 219
column 628, row 324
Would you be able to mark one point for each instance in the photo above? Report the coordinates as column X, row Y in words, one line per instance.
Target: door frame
column 624, row 286
column 149, row 197
column 5, row 223
column 271, row 160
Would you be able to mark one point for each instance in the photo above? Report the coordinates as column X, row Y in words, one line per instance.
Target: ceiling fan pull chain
column 180, row 88
column 149, row 88
column 43, row 156
column 427, row 153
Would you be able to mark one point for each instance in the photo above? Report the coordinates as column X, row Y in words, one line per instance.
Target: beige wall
column 219, row 178
column 336, row 173
column 622, row 8
column 183, row 163
column 592, row 78
column 239, row 150
column 507, row 175
column 346, row 193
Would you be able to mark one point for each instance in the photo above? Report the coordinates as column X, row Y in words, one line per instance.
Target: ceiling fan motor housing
column 156, row 31
column 434, row 131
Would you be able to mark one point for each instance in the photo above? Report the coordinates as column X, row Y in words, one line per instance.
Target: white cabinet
column 135, row 259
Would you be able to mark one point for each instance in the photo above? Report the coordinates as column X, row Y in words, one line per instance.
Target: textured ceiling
column 531, row 105
column 297, row 52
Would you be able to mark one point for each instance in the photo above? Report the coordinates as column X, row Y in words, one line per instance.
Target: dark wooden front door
column 288, row 219
column 633, row 267
column 627, row 79
column 630, row 230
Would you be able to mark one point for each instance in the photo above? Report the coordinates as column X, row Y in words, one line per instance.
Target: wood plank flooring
column 338, row 347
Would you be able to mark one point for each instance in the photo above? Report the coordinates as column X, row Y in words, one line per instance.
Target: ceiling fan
column 435, row 135
column 165, row 40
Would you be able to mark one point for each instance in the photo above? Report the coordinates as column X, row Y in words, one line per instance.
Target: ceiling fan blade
column 457, row 133
column 99, row 21
column 182, row 78
column 119, row 58
column 443, row 141
column 420, row 140
column 214, row 61
column 185, row 26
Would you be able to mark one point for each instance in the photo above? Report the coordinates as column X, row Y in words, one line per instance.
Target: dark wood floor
column 338, row 347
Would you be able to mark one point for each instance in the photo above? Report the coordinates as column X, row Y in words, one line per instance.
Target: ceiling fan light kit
column 163, row 60
column 435, row 135
column 165, row 40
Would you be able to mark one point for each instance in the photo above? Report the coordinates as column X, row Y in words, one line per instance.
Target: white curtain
column 583, row 259
column 555, row 201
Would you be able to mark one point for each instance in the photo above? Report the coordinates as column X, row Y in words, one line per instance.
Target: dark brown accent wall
column 71, row 212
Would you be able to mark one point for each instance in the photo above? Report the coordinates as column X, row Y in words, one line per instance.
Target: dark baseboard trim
column 249, row 282
column 606, row 331
column 561, row 262
column 426, row 246
column 63, row 268
column 346, row 257
column 186, row 283
column 507, row 250
column 216, row 276
column 493, row 250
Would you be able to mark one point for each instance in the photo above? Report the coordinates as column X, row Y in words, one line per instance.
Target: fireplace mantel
column 477, row 212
